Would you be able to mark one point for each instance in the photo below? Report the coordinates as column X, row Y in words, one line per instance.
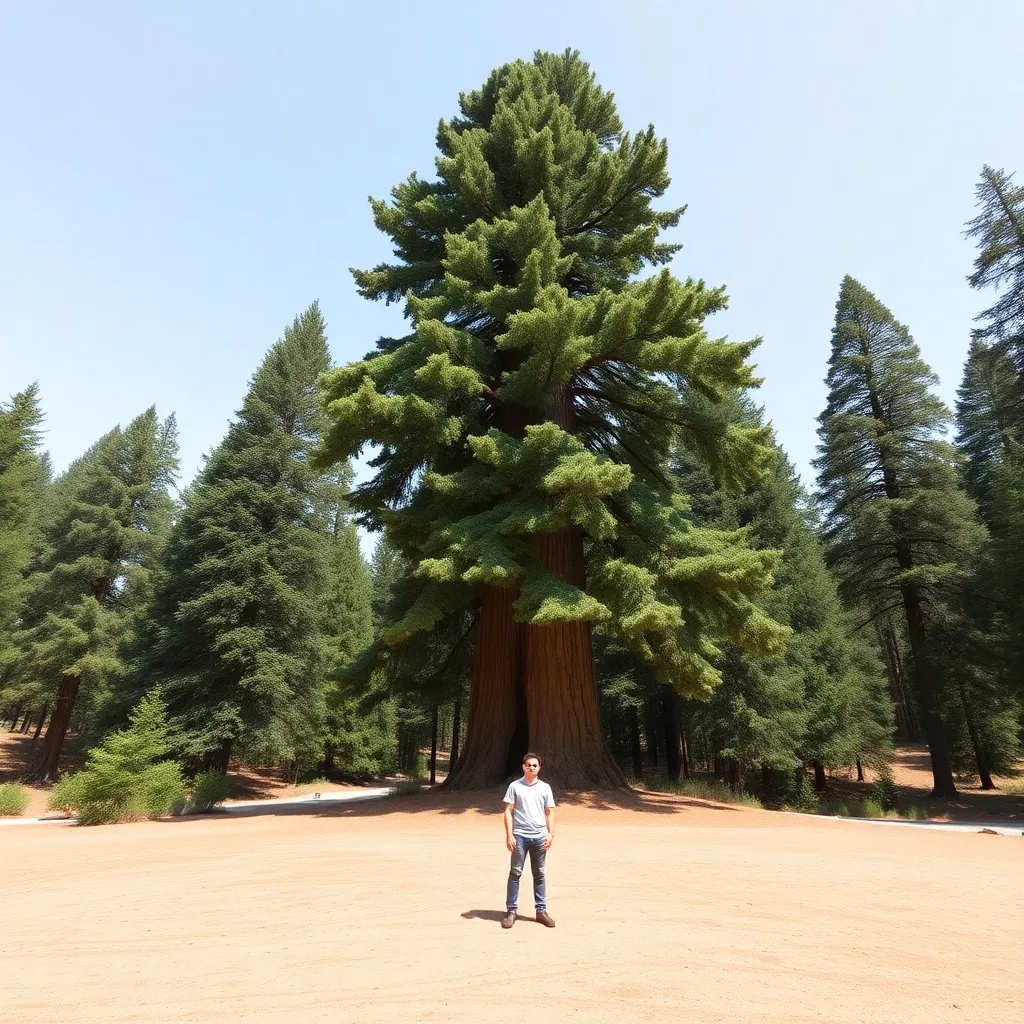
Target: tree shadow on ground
column 484, row 802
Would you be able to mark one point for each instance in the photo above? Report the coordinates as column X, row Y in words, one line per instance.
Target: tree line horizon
column 591, row 543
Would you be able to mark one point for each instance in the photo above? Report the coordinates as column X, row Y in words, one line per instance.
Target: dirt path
column 387, row 912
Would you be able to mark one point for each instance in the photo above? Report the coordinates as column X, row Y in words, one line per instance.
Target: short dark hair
column 530, row 754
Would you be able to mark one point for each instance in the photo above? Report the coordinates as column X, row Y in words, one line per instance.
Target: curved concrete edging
column 250, row 807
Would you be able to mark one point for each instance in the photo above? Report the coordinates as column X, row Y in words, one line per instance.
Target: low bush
column 208, row 790
column 13, row 800
column 801, row 796
column 872, row 809
column 884, row 792
column 126, row 777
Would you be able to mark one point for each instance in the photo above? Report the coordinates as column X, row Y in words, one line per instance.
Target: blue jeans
column 532, row 845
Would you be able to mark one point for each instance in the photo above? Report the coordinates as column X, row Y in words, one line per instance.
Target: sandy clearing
column 388, row 912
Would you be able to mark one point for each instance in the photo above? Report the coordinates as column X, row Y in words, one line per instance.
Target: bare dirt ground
column 667, row 909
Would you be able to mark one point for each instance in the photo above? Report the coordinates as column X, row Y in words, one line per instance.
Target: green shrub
column 13, row 800
column 872, row 809
column 124, row 778
column 916, row 814
column 208, row 790
column 884, row 791
column 801, row 795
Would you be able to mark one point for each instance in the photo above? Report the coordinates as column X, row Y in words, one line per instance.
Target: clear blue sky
column 179, row 180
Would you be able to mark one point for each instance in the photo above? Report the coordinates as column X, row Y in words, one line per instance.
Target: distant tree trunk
column 972, row 729
column 637, row 750
column 935, row 729
column 25, row 721
column 433, row 745
column 651, row 732
column 217, row 760
column 686, row 754
column 453, row 756
column 673, row 739
column 735, row 770
column 820, row 781
column 860, row 771
column 45, row 767
column 906, row 722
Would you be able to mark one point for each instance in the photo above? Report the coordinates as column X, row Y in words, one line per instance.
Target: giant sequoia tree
column 902, row 535
column 523, row 421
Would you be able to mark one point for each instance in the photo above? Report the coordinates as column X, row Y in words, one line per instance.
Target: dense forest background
column 881, row 602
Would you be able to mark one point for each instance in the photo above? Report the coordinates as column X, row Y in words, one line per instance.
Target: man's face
column 531, row 768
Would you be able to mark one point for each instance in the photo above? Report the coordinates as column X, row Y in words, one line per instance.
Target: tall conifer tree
column 22, row 480
column 901, row 532
column 523, row 421
column 234, row 638
column 107, row 524
column 999, row 229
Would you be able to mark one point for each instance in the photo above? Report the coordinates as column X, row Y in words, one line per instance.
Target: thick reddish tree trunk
column 45, row 767
column 561, row 692
column 494, row 679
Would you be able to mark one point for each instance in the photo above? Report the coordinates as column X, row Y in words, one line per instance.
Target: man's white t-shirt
column 528, row 804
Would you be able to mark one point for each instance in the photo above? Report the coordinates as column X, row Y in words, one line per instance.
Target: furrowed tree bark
column 561, row 692
column 494, row 679
column 45, row 767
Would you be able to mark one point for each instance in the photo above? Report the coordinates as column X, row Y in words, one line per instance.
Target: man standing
column 529, row 827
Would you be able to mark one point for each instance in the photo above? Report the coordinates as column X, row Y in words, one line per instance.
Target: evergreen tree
column 360, row 739
column 1007, row 576
column 23, row 474
column 108, row 520
column 989, row 416
column 822, row 700
column 901, row 533
column 999, row 228
column 523, row 421
column 234, row 638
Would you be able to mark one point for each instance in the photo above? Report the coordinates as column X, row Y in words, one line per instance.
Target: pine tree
column 523, row 421
column 234, row 639
column 901, row 532
column 109, row 517
column 999, row 228
column 23, row 474
column 989, row 417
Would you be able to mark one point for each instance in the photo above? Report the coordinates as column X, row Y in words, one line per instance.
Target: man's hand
column 548, row 840
column 510, row 844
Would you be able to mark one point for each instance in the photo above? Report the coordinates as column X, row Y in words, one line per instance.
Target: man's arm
column 510, row 840
column 549, row 822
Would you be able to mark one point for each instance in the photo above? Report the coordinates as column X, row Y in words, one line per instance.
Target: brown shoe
column 545, row 919
column 509, row 919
